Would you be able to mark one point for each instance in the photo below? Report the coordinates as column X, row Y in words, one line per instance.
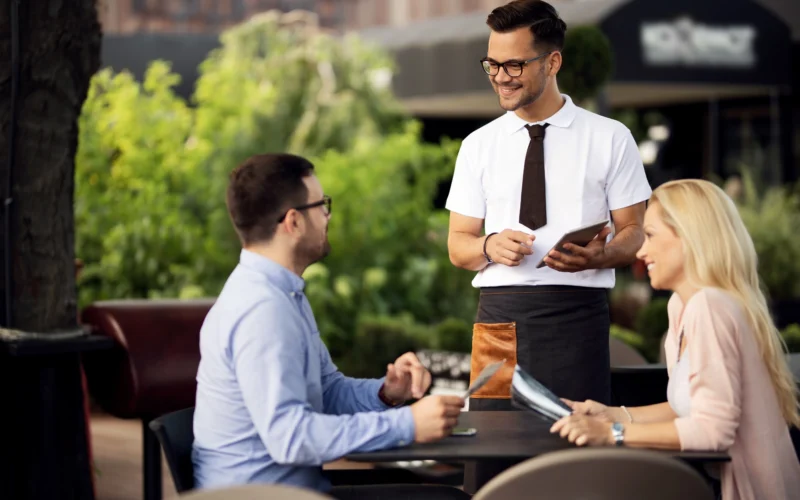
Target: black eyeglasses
column 325, row 203
column 512, row 68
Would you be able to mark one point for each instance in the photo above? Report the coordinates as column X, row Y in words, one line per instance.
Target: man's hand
column 435, row 417
column 406, row 378
column 579, row 258
column 509, row 247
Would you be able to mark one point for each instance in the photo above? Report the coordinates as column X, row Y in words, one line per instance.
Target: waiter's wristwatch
column 618, row 431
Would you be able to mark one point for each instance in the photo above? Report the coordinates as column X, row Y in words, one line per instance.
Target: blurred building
column 120, row 17
column 722, row 75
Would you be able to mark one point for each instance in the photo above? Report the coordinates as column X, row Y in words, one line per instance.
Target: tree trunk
column 44, row 450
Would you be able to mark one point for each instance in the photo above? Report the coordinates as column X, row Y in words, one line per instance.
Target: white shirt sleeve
column 466, row 191
column 627, row 183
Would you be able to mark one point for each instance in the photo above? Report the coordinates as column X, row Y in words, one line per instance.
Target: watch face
column 617, row 430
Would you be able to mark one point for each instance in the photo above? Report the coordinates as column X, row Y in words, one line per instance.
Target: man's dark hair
column 548, row 29
column 261, row 189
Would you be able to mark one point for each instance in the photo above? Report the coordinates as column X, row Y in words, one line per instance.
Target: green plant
column 588, row 62
column 151, row 172
column 652, row 322
column 379, row 340
column 772, row 216
column 791, row 335
column 629, row 337
column 454, row 335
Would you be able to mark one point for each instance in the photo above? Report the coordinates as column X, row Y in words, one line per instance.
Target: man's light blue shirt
column 271, row 405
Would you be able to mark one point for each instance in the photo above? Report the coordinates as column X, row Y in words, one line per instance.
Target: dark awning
column 185, row 51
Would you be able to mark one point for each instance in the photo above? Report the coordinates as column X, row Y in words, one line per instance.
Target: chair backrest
column 794, row 365
column 256, row 492
column 175, row 432
column 624, row 355
column 152, row 369
column 599, row 474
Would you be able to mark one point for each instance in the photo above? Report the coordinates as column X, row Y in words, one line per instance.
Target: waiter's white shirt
column 592, row 166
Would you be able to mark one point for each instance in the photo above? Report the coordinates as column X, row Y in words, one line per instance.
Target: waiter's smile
column 507, row 90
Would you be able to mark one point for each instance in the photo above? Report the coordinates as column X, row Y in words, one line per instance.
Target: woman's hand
column 584, row 430
column 597, row 410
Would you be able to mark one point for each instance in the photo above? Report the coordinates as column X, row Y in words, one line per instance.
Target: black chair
column 175, row 432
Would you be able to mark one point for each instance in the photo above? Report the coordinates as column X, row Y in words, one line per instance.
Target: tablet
column 580, row 236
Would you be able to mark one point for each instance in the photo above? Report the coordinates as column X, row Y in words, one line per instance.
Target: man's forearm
column 466, row 251
column 621, row 250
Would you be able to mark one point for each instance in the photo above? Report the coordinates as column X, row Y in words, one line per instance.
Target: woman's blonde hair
column 720, row 254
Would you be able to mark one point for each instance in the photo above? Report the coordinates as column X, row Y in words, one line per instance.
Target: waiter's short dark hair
column 547, row 27
column 261, row 189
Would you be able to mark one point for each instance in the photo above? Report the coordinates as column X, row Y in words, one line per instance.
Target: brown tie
column 533, row 204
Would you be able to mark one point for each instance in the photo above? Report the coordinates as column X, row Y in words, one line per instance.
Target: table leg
column 151, row 451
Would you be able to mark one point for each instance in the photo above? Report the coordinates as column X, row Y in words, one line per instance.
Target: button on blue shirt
column 271, row 405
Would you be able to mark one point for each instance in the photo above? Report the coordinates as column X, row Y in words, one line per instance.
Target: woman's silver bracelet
column 627, row 413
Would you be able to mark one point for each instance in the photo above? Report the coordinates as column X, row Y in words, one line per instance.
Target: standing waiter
column 542, row 169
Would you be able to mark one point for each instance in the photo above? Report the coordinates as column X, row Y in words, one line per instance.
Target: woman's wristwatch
column 618, row 431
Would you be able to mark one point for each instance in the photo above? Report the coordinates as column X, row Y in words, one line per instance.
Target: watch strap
column 384, row 399
column 485, row 241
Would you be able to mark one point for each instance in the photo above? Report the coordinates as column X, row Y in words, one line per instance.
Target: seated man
column 271, row 405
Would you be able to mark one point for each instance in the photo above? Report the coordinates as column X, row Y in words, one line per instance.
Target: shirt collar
column 276, row 273
column 562, row 118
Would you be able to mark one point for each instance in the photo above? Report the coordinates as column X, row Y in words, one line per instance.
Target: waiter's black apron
column 558, row 334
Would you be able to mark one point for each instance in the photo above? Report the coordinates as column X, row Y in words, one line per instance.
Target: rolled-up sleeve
column 715, row 375
column 269, row 353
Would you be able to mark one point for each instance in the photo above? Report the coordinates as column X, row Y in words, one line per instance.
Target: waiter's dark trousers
column 558, row 334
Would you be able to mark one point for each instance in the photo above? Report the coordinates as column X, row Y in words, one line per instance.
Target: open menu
column 529, row 394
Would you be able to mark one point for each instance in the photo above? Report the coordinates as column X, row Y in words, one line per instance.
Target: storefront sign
column 684, row 42
column 731, row 42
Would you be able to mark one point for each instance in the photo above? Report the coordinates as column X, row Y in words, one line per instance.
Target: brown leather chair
column 256, row 492
column 624, row 355
column 599, row 474
column 152, row 368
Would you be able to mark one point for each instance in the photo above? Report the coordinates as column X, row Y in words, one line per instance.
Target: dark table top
column 639, row 369
column 502, row 435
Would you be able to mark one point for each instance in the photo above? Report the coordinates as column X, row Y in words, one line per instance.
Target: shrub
column 791, row 335
column 652, row 322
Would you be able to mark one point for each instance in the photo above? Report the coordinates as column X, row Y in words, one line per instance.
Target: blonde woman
column 730, row 387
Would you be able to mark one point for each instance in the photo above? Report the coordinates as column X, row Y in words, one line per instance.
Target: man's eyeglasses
column 512, row 68
column 325, row 203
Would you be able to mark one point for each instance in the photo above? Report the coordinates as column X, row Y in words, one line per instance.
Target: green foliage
column 453, row 335
column 389, row 247
column 629, row 337
column 588, row 62
column 151, row 173
column 772, row 216
column 652, row 322
column 379, row 340
column 791, row 335
column 136, row 229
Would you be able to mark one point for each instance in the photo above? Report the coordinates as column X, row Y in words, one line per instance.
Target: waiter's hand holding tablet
column 508, row 247
column 577, row 249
